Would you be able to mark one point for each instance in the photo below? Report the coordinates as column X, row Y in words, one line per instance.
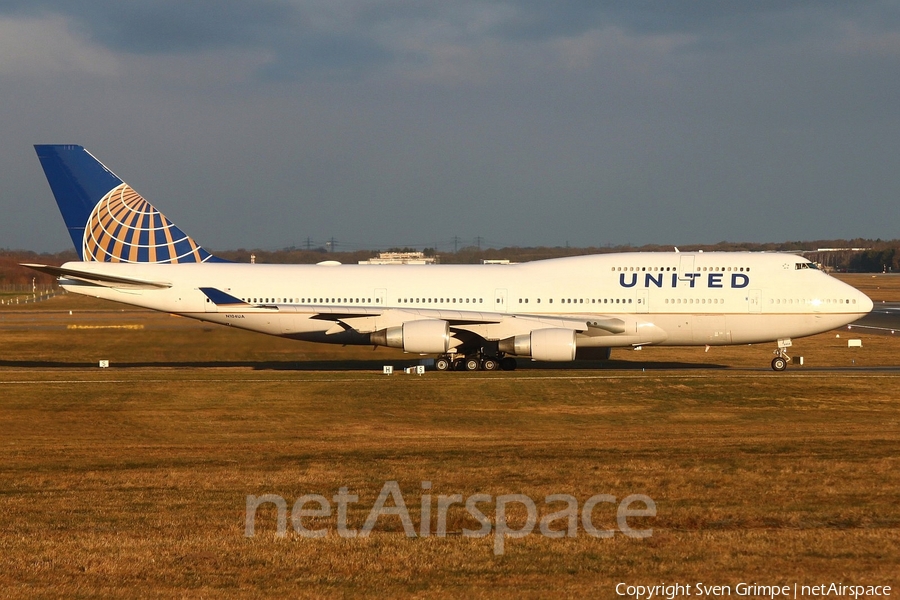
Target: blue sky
column 259, row 123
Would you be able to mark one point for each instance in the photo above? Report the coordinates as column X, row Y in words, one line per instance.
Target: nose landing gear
column 781, row 360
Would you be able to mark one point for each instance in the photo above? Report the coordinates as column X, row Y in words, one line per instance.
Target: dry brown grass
column 132, row 481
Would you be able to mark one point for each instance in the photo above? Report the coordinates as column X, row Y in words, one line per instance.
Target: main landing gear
column 442, row 363
column 781, row 360
column 474, row 362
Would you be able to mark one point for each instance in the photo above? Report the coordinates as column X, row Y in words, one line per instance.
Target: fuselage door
column 643, row 303
column 685, row 265
column 754, row 301
column 500, row 300
column 380, row 295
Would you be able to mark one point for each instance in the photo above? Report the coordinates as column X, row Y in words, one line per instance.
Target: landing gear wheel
column 442, row 364
column 489, row 364
column 508, row 363
column 781, row 360
column 471, row 364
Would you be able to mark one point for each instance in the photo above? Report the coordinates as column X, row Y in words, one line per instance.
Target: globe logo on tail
column 123, row 227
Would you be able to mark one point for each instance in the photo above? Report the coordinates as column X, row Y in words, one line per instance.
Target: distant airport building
column 831, row 258
column 496, row 261
column 400, row 258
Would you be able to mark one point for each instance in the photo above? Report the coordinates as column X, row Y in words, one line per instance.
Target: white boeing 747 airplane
column 470, row 316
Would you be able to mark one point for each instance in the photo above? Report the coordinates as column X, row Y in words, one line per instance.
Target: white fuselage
column 658, row 298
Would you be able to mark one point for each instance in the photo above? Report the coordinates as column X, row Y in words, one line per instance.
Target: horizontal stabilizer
column 99, row 279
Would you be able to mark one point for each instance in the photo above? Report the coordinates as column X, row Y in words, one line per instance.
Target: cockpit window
column 806, row 265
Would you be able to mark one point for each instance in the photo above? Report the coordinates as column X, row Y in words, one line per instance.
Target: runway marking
column 433, row 379
column 104, row 326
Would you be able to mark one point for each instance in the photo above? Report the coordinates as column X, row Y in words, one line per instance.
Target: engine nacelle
column 428, row 336
column 542, row 344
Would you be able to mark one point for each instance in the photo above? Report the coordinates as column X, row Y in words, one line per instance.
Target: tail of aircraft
column 107, row 219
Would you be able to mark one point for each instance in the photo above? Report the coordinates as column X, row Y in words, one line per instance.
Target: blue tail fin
column 107, row 219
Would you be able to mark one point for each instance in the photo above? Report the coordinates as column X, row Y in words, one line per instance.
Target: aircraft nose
column 865, row 303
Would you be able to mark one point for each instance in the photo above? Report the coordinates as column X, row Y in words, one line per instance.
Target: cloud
column 854, row 40
column 742, row 22
column 41, row 46
column 298, row 38
column 164, row 26
column 357, row 37
column 636, row 121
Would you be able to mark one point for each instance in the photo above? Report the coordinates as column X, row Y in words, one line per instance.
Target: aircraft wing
column 371, row 319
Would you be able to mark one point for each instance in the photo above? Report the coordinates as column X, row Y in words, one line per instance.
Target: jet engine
column 542, row 344
column 428, row 336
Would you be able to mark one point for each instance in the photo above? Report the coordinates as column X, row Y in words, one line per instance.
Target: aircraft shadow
column 350, row 365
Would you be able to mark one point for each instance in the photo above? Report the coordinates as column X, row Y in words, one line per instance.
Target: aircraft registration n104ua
column 470, row 316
